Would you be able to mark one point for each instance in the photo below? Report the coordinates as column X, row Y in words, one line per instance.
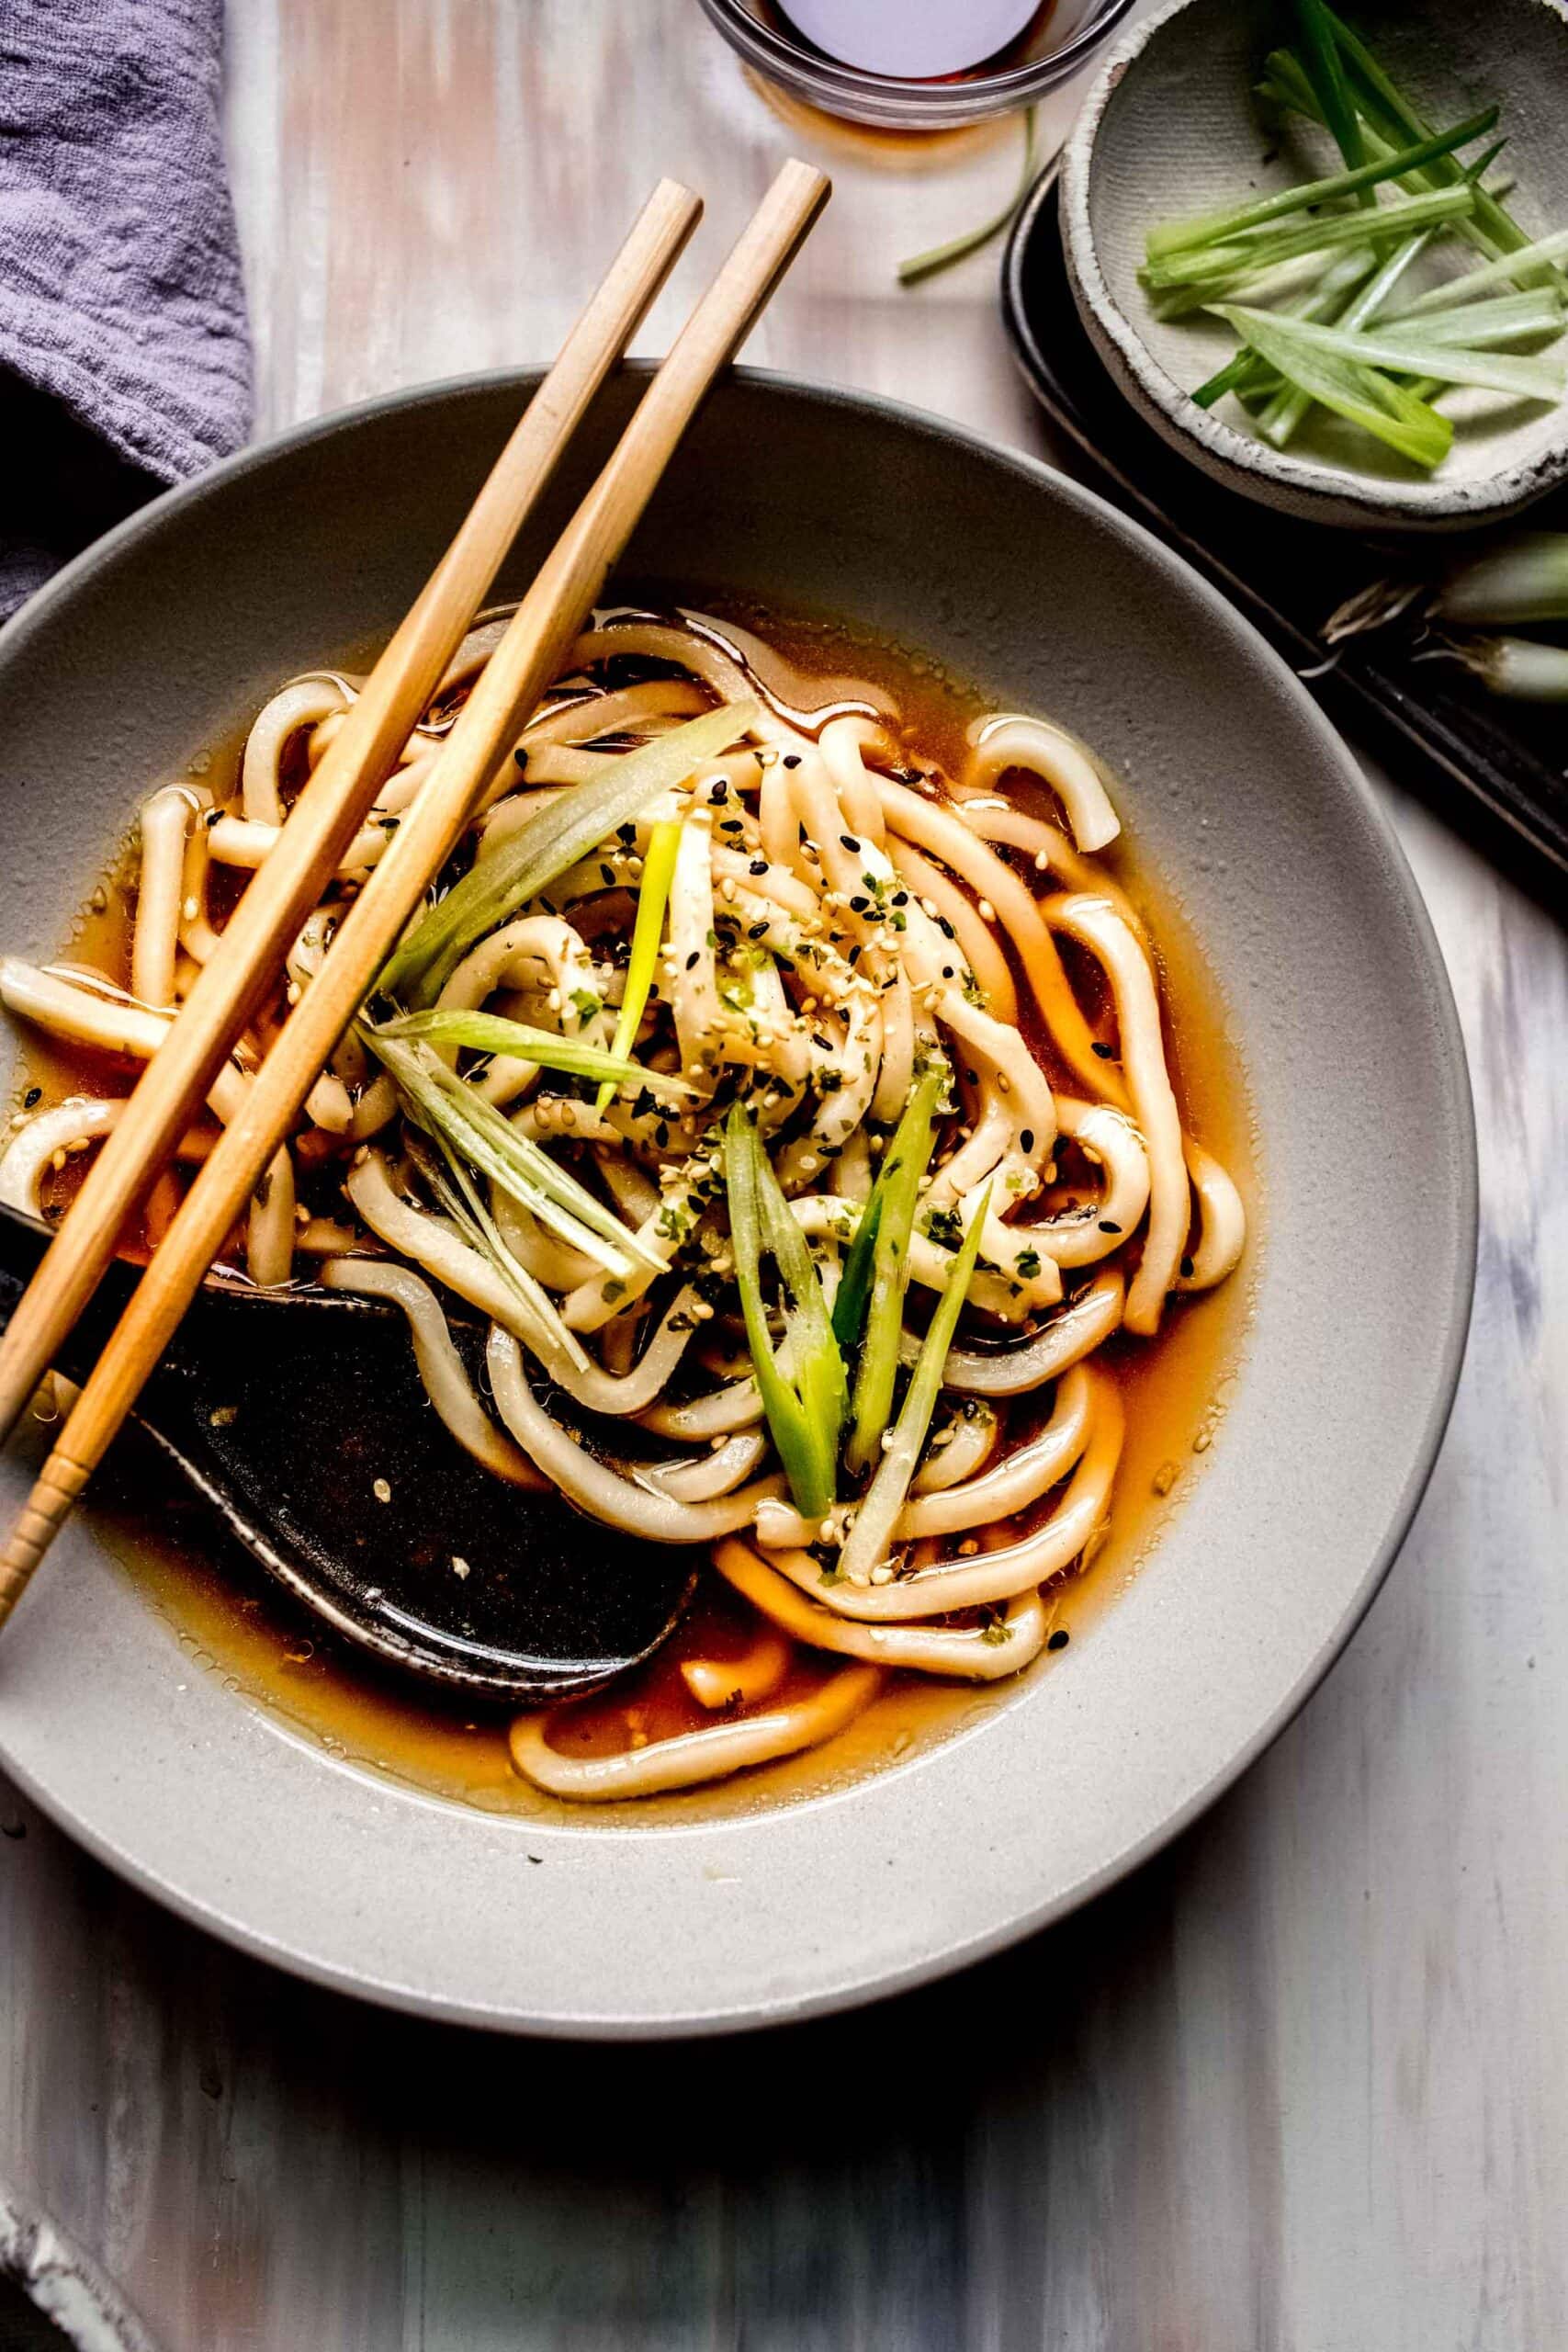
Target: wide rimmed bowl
column 1171, row 128
column 1237, row 793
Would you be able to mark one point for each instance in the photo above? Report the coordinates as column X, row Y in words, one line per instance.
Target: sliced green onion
column 871, row 1537
column 1260, row 250
column 1283, row 415
column 446, row 1106
column 547, row 845
column 653, row 896
column 805, row 1408
column 891, row 1219
column 1320, row 59
column 1220, row 227
column 1501, row 272
column 1521, row 668
column 1377, row 94
column 940, row 257
column 1367, row 349
column 1246, row 374
column 1363, row 396
column 1523, row 578
column 852, row 1296
column 490, row 1033
column 1480, row 325
column 458, row 1197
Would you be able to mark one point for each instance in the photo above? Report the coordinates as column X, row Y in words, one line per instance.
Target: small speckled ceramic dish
column 1171, row 128
column 1234, row 793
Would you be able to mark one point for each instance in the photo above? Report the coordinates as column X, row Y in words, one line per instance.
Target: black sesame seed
column 607, row 875
column 792, row 759
column 858, row 905
column 1103, row 1051
column 900, row 897
column 758, row 866
column 1106, row 1225
column 1026, row 1138
column 1058, row 1640
column 948, row 973
column 1187, row 1267
column 945, row 927
column 758, row 931
column 849, row 840
column 520, row 756
column 693, row 960
column 34, row 1094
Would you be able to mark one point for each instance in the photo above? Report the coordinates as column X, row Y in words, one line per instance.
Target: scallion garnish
column 492, row 1033
column 871, row 1536
column 1216, row 228
column 877, row 1268
column 547, row 845
column 804, row 1405
column 447, row 1107
column 653, row 896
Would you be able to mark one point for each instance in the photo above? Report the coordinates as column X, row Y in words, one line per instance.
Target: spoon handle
column 332, row 806
column 557, row 602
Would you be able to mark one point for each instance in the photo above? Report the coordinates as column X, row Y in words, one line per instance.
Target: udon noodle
column 798, row 1106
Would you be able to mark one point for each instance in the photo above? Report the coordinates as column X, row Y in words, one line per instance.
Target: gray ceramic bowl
column 1171, row 128
column 1240, row 797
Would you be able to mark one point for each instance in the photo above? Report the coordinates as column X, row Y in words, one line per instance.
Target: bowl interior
column 1181, row 133
column 1245, row 804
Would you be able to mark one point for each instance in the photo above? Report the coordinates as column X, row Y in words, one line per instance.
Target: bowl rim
column 1316, row 490
column 837, row 1988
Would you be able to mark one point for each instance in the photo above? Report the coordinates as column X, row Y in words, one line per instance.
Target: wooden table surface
column 1302, row 2085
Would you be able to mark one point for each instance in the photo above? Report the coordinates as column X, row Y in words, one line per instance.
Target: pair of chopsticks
column 335, row 802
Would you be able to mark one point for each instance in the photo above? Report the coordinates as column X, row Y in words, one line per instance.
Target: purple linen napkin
column 124, row 356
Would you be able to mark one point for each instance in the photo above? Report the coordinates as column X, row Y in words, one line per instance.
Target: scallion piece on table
column 1214, row 228
column 547, row 845
column 653, row 896
column 805, row 1405
column 941, row 257
column 878, row 1267
column 870, row 1538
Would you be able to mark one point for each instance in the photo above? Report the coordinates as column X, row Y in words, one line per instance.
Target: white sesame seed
column 382, row 1490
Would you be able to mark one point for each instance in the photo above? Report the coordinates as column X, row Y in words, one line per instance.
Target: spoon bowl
column 300, row 1417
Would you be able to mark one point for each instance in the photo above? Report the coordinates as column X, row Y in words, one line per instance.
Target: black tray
column 1498, row 769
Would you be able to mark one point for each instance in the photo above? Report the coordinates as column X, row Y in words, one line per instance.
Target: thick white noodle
column 1068, row 766
column 1095, row 924
column 971, row 1653
column 695, row 1757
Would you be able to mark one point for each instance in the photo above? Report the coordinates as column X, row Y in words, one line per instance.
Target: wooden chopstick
column 549, row 616
column 332, row 806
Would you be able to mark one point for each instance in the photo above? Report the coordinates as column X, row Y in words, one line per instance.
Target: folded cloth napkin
column 124, row 356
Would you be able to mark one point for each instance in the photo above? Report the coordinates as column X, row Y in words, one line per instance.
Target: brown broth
column 230, row 1620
